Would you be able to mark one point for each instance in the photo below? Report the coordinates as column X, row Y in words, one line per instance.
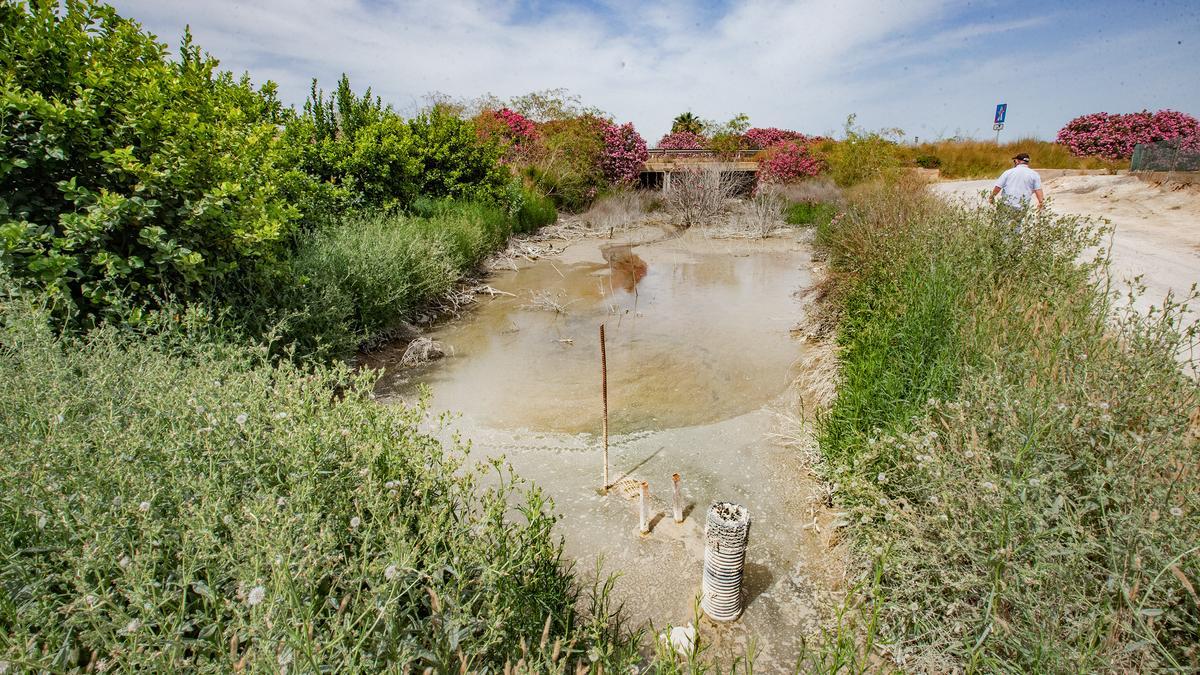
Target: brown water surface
column 697, row 332
column 701, row 363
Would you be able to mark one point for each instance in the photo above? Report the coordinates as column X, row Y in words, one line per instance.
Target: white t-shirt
column 1017, row 185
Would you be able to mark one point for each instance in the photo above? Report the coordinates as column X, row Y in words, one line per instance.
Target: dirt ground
column 1157, row 226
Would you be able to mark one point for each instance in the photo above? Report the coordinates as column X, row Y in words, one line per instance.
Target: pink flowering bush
column 683, row 140
column 789, row 161
column 1114, row 136
column 517, row 134
column 766, row 137
column 624, row 153
column 520, row 127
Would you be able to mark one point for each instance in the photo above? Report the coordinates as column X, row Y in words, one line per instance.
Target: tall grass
column 1018, row 450
column 984, row 159
column 201, row 508
column 359, row 278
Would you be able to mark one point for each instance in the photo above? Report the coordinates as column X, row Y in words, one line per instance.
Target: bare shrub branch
column 698, row 194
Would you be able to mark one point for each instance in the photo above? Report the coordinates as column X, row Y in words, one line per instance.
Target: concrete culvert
column 726, row 533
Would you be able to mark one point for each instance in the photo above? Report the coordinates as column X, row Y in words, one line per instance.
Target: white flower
column 882, row 478
column 391, row 485
column 241, row 419
column 131, row 627
column 281, row 416
column 345, row 432
column 355, row 522
column 389, row 572
column 933, row 499
column 1034, row 482
column 91, row 600
column 256, row 595
column 969, row 454
column 988, row 485
column 1176, row 511
column 1102, row 405
column 227, row 519
column 144, row 507
column 1061, row 407
column 280, row 502
column 124, row 562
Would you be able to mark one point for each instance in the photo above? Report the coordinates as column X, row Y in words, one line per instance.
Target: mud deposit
column 701, row 362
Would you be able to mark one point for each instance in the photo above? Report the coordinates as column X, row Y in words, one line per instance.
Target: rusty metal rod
column 678, row 499
column 604, row 395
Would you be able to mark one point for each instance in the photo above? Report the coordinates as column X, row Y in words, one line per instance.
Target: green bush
column 809, row 213
column 207, row 511
column 862, row 156
column 537, row 210
column 453, row 161
column 568, row 168
column 357, row 279
column 1015, row 451
column 928, row 161
column 126, row 176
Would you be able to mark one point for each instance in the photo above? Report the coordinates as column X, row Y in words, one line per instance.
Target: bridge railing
column 738, row 154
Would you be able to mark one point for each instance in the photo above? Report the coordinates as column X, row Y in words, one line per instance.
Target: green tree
column 689, row 123
column 127, row 176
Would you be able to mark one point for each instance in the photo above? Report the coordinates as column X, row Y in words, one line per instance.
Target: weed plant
column 197, row 507
column 1017, row 448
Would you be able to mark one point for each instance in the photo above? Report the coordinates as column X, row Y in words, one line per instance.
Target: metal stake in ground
column 644, row 524
column 677, row 498
column 604, row 395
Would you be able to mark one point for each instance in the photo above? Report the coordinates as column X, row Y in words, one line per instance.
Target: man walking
column 1018, row 186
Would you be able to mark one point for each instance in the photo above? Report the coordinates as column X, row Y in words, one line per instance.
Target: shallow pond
column 701, row 361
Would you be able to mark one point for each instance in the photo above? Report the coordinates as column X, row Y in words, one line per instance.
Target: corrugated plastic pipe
column 726, row 533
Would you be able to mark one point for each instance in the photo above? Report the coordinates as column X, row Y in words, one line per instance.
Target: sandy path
column 1157, row 227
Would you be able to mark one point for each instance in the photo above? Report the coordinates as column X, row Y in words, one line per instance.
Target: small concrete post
column 645, row 516
column 678, row 499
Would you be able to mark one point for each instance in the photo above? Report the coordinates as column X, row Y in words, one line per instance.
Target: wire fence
column 1165, row 156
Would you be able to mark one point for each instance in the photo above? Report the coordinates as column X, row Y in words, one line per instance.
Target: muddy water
column 701, row 362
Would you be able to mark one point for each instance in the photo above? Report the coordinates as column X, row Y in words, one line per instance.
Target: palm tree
column 687, row 122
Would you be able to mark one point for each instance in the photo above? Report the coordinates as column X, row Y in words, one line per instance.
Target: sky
column 932, row 68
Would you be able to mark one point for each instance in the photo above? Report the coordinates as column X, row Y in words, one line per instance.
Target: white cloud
column 799, row 64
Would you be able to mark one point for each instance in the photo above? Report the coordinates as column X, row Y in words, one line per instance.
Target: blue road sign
column 1001, row 110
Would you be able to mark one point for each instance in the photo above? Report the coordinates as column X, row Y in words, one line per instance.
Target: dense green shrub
column 928, row 161
column 568, row 169
column 536, row 210
column 358, row 278
column 809, row 213
column 862, row 155
column 455, row 163
column 1016, row 453
column 208, row 511
column 353, row 151
column 127, row 176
